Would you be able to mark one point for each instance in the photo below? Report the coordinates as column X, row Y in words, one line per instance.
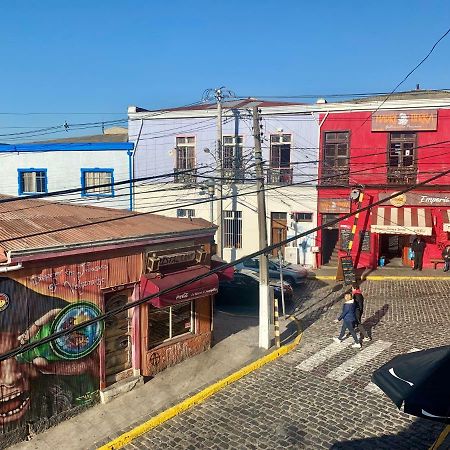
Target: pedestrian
column 418, row 247
column 359, row 309
column 348, row 318
column 446, row 256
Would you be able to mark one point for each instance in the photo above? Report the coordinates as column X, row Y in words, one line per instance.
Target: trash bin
column 382, row 261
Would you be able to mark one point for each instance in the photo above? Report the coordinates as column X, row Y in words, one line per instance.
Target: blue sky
column 101, row 56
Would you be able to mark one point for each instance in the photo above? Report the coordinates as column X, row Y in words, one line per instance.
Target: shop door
column 117, row 337
column 330, row 239
column 278, row 226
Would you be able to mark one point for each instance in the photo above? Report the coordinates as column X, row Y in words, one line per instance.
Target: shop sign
column 334, row 205
column 177, row 258
column 412, row 120
column 415, row 199
column 191, row 295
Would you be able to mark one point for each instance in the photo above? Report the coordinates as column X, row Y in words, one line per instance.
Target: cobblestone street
column 320, row 396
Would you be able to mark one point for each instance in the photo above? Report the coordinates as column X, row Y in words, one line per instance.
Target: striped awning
column 402, row 221
column 446, row 220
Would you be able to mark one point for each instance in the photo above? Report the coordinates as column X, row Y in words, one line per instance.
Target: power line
column 266, row 250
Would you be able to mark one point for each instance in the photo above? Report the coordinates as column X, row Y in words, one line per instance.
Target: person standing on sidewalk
column 359, row 309
column 446, row 257
column 348, row 318
column 418, row 247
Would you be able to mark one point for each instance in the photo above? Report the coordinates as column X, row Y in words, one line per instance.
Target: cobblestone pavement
column 323, row 400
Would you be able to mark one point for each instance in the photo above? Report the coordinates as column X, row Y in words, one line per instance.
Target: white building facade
column 181, row 144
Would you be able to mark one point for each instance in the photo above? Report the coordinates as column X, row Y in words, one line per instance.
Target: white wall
column 283, row 199
column 63, row 172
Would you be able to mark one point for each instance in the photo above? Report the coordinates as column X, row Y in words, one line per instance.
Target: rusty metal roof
column 27, row 224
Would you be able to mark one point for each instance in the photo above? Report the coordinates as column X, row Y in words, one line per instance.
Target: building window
column 232, row 153
column 303, row 217
column 97, row 182
column 168, row 323
column 401, row 158
column 185, row 158
column 280, row 170
column 32, row 181
column 186, row 213
column 335, row 169
column 232, row 229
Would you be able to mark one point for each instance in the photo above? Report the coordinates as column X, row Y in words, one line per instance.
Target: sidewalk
column 236, row 345
column 383, row 273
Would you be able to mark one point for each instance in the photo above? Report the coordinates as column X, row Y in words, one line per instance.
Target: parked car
column 243, row 290
column 292, row 273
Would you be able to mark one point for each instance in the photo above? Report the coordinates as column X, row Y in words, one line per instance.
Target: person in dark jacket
column 348, row 318
column 446, row 257
column 359, row 309
column 418, row 247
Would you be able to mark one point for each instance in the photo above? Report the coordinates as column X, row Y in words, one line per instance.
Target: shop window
column 232, row 226
column 336, row 152
column 168, row 323
column 401, row 158
column 97, row 182
column 185, row 159
column 32, row 181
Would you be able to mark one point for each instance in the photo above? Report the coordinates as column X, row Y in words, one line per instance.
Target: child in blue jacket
column 348, row 319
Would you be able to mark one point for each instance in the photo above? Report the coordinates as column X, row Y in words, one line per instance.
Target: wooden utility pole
column 219, row 172
column 264, row 297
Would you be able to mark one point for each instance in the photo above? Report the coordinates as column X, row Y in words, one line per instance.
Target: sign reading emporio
column 417, row 199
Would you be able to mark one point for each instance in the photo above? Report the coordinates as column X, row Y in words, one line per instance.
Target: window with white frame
column 232, row 229
column 32, row 181
column 185, row 152
column 97, row 182
column 186, row 213
column 280, row 170
column 171, row 322
column 232, row 152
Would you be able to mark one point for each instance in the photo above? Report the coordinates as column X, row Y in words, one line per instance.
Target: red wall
column 368, row 150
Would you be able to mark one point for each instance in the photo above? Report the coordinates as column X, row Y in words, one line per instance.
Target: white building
column 167, row 142
column 79, row 163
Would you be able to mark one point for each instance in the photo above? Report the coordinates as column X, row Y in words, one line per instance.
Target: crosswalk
column 351, row 365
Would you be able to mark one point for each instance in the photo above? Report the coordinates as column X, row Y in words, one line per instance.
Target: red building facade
column 378, row 153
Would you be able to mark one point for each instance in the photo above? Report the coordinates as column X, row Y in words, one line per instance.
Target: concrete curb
column 385, row 278
column 200, row 397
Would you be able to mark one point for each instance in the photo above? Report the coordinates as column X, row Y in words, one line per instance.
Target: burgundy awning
column 225, row 274
column 197, row 289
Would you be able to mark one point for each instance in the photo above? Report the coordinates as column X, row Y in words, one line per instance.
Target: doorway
column 330, row 239
column 278, row 227
column 117, row 337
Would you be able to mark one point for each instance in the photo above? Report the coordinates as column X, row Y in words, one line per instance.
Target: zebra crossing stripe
column 341, row 372
column 321, row 356
column 372, row 387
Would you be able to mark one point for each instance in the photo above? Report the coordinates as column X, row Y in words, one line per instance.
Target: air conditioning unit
column 291, row 255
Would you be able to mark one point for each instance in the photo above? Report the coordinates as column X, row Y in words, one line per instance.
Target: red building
column 379, row 147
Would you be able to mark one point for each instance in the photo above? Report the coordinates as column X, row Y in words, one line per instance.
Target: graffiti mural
column 53, row 377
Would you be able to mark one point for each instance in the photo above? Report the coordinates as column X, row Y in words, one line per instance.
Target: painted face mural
column 52, row 377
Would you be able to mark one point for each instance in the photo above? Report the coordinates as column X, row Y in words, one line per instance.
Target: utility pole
column 219, row 172
column 264, row 293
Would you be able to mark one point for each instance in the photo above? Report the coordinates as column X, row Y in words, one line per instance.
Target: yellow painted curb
column 200, row 397
column 386, row 277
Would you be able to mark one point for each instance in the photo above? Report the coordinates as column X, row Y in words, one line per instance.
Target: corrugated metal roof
column 122, row 137
column 406, row 95
column 27, row 224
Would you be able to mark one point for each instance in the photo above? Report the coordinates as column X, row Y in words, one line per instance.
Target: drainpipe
column 131, row 164
column 4, row 269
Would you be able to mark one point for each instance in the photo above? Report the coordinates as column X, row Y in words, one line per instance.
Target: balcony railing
column 279, row 175
column 399, row 175
column 187, row 177
column 334, row 177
